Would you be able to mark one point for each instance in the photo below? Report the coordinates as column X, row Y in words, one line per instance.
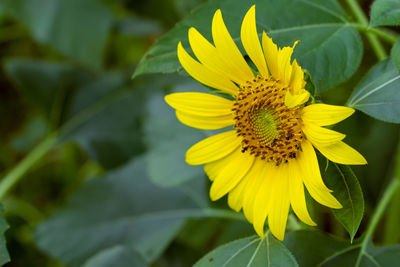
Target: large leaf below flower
column 377, row 95
column 251, row 251
column 117, row 256
column 330, row 48
column 121, row 209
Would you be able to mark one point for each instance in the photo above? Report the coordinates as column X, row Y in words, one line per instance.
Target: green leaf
column 385, row 13
column 102, row 113
column 314, row 248
column 395, row 54
column 374, row 256
column 251, row 251
column 4, row 257
column 330, row 48
column 85, row 106
column 168, row 140
column 377, row 95
column 78, row 29
column 139, row 27
column 386, row 256
column 104, row 119
column 346, row 188
column 310, row 248
column 42, row 82
column 117, row 256
column 121, row 209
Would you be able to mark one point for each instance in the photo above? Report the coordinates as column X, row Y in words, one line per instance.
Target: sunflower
column 265, row 161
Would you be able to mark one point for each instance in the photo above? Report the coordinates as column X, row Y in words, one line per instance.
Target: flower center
column 270, row 130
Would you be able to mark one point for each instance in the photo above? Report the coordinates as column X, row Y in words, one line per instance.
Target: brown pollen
column 270, row 130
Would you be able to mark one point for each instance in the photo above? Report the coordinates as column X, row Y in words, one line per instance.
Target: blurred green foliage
column 114, row 189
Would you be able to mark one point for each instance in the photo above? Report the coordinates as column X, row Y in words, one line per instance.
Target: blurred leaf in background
column 78, row 29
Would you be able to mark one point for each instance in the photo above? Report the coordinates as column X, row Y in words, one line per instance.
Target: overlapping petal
column 271, row 55
column 324, row 114
column 321, row 136
column 255, row 178
column 212, row 148
column 209, row 56
column 308, row 166
column 204, row 74
column 200, row 104
column 280, row 203
column 228, row 50
column 205, row 122
column 297, row 82
column 251, row 41
column 292, row 100
column 264, row 197
column 284, row 65
column 342, row 153
column 235, row 197
column 296, row 194
column 232, row 169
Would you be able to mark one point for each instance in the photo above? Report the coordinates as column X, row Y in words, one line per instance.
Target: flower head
column 265, row 161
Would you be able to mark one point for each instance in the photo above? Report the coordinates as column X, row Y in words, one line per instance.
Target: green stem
column 363, row 20
column 387, row 195
column 385, row 35
column 21, row 168
column 391, row 234
column 397, row 163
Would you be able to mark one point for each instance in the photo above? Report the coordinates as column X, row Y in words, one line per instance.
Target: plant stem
column 363, row 20
column 387, row 196
column 388, row 36
column 22, row 167
column 391, row 234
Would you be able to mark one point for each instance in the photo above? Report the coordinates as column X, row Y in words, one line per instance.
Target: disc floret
column 269, row 129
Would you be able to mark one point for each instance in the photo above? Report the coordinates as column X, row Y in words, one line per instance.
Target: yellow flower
column 264, row 163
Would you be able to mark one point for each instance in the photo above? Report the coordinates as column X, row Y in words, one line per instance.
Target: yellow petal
column 204, row 74
column 228, row 50
column 284, row 63
column 262, row 202
column 271, row 55
column 292, row 100
column 323, row 114
column 205, row 122
column 321, row 136
column 207, row 54
column 212, row 148
column 296, row 193
column 280, row 202
column 308, row 165
column 297, row 82
column 213, row 169
column 236, row 167
column 200, row 104
column 251, row 42
column 342, row 153
column 255, row 177
column 235, row 197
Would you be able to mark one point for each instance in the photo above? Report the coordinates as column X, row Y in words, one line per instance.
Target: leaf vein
column 350, row 198
column 239, row 251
